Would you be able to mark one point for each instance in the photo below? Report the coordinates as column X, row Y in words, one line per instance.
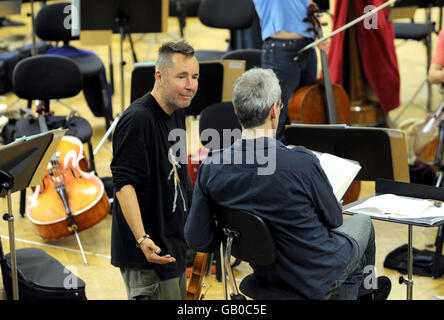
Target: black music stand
column 23, row 164
column 123, row 17
column 370, row 147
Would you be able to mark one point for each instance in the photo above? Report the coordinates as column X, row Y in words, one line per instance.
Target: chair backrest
column 254, row 243
column 413, row 31
column 252, row 57
column 219, row 116
column 46, row 77
column 226, row 14
column 51, row 22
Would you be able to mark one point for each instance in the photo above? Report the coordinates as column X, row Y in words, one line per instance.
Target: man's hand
column 324, row 45
column 152, row 251
column 312, row 9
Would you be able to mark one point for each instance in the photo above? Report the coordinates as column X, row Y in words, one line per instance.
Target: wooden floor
column 103, row 281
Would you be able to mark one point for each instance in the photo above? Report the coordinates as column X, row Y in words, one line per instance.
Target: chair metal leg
column 222, row 266
column 436, row 264
column 227, row 270
column 22, row 203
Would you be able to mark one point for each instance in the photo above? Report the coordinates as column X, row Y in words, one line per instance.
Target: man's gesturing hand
column 152, row 251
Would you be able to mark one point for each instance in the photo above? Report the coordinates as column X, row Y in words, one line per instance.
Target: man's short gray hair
column 166, row 51
column 254, row 94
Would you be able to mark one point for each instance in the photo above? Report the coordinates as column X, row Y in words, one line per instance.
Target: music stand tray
column 23, row 164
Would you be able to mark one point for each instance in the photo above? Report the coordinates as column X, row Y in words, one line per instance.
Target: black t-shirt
column 141, row 150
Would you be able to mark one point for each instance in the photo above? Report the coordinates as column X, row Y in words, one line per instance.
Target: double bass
column 323, row 102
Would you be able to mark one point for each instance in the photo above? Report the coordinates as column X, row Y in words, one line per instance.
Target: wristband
column 141, row 239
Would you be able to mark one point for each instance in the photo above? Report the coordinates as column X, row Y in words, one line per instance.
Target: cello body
column 427, row 138
column 307, row 105
column 84, row 203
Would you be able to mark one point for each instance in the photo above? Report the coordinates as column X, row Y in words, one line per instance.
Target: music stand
column 380, row 152
column 23, row 164
column 124, row 17
column 419, row 191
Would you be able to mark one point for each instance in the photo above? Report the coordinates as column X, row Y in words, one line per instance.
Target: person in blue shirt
column 284, row 33
column 319, row 255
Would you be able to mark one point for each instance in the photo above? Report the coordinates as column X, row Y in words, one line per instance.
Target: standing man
column 152, row 189
column 284, row 33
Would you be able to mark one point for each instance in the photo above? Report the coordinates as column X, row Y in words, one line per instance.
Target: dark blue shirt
column 297, row 201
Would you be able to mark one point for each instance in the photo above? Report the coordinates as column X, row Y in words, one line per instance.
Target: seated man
column 319, row 255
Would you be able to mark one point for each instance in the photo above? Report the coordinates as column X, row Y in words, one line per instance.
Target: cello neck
column 312, row 16
column 332, row 117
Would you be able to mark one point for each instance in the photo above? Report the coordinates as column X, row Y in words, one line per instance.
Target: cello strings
column 57, row 247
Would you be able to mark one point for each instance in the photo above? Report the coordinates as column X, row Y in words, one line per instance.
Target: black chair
column 220, row 117
column 252, row 57
column 49, row 26
column 418, row 32
column 46, row 77
column 248, row 238
column 224, row 14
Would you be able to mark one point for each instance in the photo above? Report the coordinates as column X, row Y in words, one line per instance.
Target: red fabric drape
column 376, row 49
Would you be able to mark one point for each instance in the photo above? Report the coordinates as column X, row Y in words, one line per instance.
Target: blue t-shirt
column 278, row 15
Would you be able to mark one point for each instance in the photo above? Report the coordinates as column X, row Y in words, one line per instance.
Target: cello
column 322, row 102
column 428, row 144
column 198, row 272
column 68, row 199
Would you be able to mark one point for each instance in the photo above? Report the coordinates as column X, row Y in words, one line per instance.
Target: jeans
column 353, row 281
column 278, row 54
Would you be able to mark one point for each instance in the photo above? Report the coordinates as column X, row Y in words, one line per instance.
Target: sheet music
column 339, row 171
column 401, row 208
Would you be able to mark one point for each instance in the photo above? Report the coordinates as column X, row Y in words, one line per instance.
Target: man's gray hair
column 254, row 94
column 166, row 51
